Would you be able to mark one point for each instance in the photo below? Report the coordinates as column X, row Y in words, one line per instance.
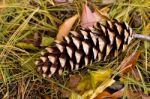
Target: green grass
column 20, row 20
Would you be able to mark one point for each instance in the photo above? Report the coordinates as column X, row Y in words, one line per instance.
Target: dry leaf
column 103, row 95
column 128, row 66
column 102, row 14
column 65, row 93
column 46, row 97
column 133, row 95
column 147, row 26
column 118, row 94
column 37, row 39
column 102, row 87
column 75, row 96
column 135, row 74
column 66, row 27
column 128, row 63
column 72, row 84
column 84, row 84
column 87, row 17
column 99, row 76
column 73, row 81
column 93, row 79
column 145, row 97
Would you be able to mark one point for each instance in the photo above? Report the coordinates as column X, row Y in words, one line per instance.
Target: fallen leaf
column 66, row 27
column 73, row 81
column 102, row 87
column 147, row 26
column 99, row 76
column 37, row 39
column 26, row 46
column 133, row 95
column 65, row 93
column 115, row 95
column 101, row 14
column 87, row 17
column 84, row 84
column 91, row 80
column 103, row 95
column 135, row 74
column 128, row 63
column 118, row 94
column 46, row 41
column 145, row 97
column 75, row 96
column 72, row 84
column 46, row 97
column 136, row 20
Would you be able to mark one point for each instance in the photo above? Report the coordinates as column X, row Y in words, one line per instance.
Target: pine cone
column 84, row 47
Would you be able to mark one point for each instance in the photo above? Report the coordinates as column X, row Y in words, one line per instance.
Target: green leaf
column 26, row 46
column 46, row 41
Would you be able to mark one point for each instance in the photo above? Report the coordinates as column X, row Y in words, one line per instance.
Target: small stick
column 140, row 36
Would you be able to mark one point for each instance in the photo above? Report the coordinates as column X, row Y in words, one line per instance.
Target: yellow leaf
column 93, row 79
column 102, row 87
column 84, row 84
column 99, row 76
column 75, row 96
column 66, row 27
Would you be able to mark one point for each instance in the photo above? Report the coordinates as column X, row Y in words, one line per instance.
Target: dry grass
column 21, row 19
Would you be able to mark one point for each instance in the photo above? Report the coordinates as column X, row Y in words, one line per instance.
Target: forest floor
column 28, row 26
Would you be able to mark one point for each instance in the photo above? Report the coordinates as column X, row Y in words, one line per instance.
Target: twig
column 140, row 36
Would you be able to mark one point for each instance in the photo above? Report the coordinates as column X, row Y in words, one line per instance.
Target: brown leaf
column 72, row 84
column 118, row 94
column 102, row 14
column 140, row 95
column 37, row 39
column 103, row 95
column 135, row 74
column 145, row 97
column 46, row 97
column 133, row 95
column 128, row 63
column 66, row 27
column 73, row 81
column 65, row 93
column 87, row 17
